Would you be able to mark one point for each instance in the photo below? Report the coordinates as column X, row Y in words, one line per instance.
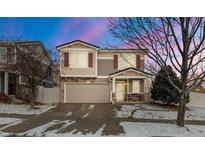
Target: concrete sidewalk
column 20, row 116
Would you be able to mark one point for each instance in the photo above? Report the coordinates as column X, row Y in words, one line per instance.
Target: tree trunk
column 181, row 115
column 32, row 102
column 33, row 97
column 182, row 108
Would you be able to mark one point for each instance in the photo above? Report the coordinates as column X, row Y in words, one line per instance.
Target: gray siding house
column 89, row 74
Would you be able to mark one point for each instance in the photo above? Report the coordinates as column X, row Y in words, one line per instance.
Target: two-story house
column 89, row 74
column 9, row 57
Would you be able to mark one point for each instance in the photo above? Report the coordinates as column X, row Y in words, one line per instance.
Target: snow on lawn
column 144, row 111
column 87, row 114
column 68, row 114
column 44, row 130
column 155, row 114
column 23, row 109
column 91, row 107
column 157, row 129
column 5, row 121
column 195, row 113
column 3, row 134
column 148, row 111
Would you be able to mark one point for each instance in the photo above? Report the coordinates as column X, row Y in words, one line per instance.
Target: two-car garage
column 87, row 93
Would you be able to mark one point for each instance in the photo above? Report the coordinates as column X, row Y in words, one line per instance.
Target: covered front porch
column 8, row 82
column 130, row 86
column 128, row 90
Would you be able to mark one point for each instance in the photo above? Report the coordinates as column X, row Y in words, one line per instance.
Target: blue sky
column 55, row 31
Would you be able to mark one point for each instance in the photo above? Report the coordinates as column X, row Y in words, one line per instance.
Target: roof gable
column 130, row 72
column 77, row 43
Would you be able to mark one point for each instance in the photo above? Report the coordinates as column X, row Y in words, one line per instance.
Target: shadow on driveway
column 85, row 118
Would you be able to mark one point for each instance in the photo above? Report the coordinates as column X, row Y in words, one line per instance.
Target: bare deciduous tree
column 178, row 42
column 34, row 65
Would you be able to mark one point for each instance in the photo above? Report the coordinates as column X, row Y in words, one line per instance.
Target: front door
column 11, row 84
column 120, row 91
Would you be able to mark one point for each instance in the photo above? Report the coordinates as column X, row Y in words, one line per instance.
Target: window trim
column 4, row 60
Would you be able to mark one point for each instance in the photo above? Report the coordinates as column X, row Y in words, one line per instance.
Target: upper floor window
column 3, row 57
column 79, row 59
column 7, row 55
column 126, row 60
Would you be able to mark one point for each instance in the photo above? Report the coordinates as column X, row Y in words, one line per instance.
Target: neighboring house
column 10, row 79
column 89, row 74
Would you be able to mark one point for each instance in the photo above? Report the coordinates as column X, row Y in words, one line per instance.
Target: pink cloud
column 95, row 31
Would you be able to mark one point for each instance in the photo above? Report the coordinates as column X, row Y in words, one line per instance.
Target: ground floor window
column 1, row 82
column 136, row 86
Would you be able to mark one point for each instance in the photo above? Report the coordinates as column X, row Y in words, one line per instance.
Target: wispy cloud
column 95, row 31
column 87, row 29
column 63, row 31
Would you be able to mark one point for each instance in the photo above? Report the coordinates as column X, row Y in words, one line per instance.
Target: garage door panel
column 88, row 93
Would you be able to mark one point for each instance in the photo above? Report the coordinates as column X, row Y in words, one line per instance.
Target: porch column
column 113, row 85
column 6, row 82
column 127, row 89
column 145, row 84
column 113, row 94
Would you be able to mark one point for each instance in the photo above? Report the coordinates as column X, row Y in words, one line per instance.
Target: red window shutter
column 66, row 59
column 138, row 61
column 115, row 61
column 90, row 59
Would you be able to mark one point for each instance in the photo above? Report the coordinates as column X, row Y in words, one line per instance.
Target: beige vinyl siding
column 105, row 55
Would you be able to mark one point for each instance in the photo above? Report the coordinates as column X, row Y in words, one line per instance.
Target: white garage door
column 87, row 93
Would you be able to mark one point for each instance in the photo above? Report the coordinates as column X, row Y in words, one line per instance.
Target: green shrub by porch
column 162, row 90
